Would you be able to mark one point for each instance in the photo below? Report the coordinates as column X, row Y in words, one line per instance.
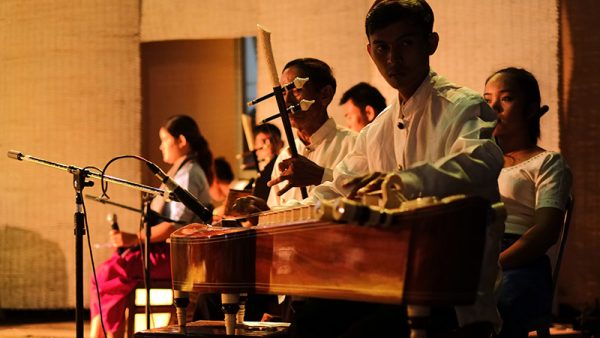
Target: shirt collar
column 327, row 130
column 417, row 100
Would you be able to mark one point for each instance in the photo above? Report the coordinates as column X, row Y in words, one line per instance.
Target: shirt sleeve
column 273, row 199
column 553, row 183
column 192, row 178
column 472, row 162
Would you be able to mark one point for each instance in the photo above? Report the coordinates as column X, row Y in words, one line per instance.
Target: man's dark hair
column 223, row 170
column 267, row 129
column 363, row 95
column 318, row 72
column 386, row 12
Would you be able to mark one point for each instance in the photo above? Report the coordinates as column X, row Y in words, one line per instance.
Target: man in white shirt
column 321, row 144
column 361, row 103
column 436, row 136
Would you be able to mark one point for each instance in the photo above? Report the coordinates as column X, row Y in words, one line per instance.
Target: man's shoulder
column 345, row 132
column 453, row 93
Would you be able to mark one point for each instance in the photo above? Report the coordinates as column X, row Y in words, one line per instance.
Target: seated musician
column 362, row 103
column 220, row 186
column 437, row 137
column 320, row 142
column 267, row 145
column 534, row 186
column 321, row 145
column 184, row 147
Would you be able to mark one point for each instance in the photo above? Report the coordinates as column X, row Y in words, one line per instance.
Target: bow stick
column 265, row 36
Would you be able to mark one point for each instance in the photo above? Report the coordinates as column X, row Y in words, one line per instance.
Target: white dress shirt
column 328, row 146
column 443, row 147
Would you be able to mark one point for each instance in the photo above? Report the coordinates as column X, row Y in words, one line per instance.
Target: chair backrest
column 562, row 240
column 544, row 330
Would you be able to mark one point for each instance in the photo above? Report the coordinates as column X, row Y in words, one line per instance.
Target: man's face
column 355, row 118
column 401, row 53
column 265, row 150
column 308, row 92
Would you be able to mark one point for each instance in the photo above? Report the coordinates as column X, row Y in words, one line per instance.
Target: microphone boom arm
column 72, row 169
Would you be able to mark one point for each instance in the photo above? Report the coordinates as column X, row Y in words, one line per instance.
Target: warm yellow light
column 157, row 297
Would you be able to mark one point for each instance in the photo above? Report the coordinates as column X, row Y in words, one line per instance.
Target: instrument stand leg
column 242, row 312
column 79, row 183
column 418, row 320
column 182, row 301
column 230, row 306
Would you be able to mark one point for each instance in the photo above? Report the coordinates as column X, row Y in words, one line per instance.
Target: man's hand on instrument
column 121, row 239
column 299, row 172
column 248, row 205
column 364, row 184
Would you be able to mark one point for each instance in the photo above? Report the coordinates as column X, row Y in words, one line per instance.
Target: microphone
column 112, row 218
column 182, row 195
column 114, row 225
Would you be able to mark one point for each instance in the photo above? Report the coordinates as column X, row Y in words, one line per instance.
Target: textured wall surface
column 69, row 93
column 476, row 38
column 579, row 282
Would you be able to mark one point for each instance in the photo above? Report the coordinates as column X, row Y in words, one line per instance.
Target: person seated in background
column 361, row 103
column 219, row 189
column 535, row 185
column 185, row 149
column 267, row 145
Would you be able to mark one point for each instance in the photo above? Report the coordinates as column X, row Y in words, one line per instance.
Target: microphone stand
column 146, row 252
column 80, row 181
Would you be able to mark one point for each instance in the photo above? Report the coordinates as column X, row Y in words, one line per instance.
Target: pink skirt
column 119, row 275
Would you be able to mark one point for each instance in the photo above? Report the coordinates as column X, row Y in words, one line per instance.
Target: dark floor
column 39, row 323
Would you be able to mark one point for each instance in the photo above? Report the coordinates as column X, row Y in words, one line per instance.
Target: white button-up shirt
column 445, row 147
column 328, row 146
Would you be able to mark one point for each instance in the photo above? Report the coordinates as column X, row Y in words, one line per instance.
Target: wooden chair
column 544, row 330
column 134, row 307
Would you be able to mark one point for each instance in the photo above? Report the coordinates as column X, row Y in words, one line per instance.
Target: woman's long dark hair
column 186, row 126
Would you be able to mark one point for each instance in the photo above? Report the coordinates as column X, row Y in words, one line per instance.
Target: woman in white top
column 186, row 150
column 534, row 185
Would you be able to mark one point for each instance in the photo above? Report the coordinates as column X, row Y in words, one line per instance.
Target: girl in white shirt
column 534, row 186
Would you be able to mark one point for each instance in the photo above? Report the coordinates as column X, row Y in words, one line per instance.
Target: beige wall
column 70, row 92
column 475, row 40
column 199, row 78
